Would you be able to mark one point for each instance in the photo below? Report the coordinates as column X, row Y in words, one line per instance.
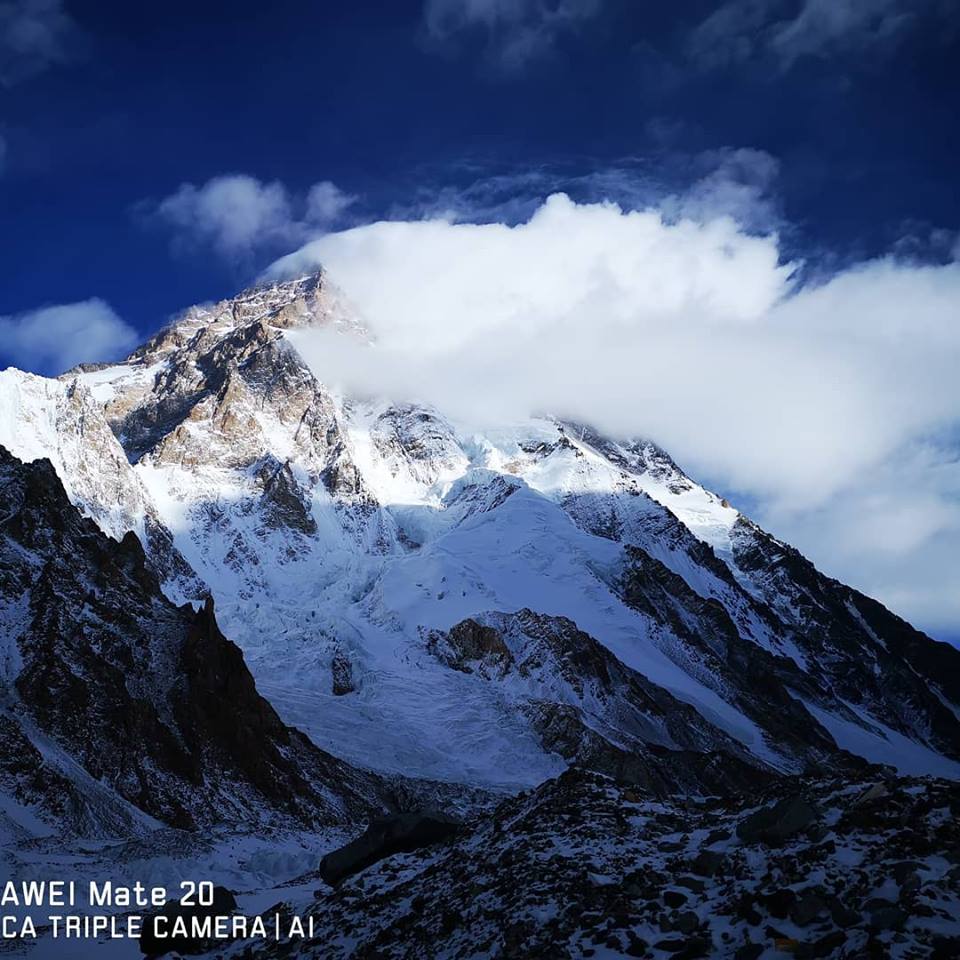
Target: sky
column 733, row 225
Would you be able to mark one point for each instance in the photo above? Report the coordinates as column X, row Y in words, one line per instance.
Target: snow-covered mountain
column 482, row 608
column 427, row 614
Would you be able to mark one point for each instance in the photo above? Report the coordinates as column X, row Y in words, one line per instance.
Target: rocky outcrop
column 470, row 646
column 62, row 421
column 587, row 706
column 778, row 823
column 341, row 672
column 756, row 680
column 386, row 836
column 417, row 443
column 853, row 645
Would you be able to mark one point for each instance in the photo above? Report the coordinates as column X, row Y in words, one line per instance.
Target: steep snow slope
column 340, row 534
column 60, row 421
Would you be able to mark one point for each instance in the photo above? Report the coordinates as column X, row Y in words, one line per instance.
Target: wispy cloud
column 740, row 30
column 34, row 36
column 237, row 215
column 735, row 182
column 53, row 339
column 513, row 33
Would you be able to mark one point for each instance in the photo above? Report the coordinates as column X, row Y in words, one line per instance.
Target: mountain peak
column 307, row 300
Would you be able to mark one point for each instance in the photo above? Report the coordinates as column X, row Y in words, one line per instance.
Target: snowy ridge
column 61, row 421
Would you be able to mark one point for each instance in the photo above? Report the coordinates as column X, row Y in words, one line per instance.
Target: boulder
column 674, row 898
column 399, row 833
column 775, row 824
column 707, row 863
column 341, row 671
column 808, row 908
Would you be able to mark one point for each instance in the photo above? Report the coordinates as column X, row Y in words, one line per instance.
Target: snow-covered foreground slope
column 346, row 539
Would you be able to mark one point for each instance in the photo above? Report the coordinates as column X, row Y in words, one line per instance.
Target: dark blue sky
column 146, row 97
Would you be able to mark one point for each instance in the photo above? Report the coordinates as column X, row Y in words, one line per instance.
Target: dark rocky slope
column 150, row 699
column 822, row 866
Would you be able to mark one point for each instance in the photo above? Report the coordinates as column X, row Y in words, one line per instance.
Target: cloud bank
column 53, row 339
column 834, row 409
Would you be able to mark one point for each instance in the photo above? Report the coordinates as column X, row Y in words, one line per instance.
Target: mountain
column 478, row 607
column 548, row 631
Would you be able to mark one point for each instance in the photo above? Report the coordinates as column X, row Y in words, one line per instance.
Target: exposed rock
column 652, row 739
column 400, row 833
column 707, row 863
column 150, row 699
column 772, row 825
column 807, row 909
column 470, row 646
column 341, row 670
column 580, row 864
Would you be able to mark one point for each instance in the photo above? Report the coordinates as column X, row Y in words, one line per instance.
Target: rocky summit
column 235, row 598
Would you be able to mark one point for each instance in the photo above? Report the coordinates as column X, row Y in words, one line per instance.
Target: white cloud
column 53, row 339
column 826, row 406
column 236, row 214
column 741, row 29
column 326, row 203
column 515, row 32
column 35, row 35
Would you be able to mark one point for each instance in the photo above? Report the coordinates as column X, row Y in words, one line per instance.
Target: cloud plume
column 806, row 400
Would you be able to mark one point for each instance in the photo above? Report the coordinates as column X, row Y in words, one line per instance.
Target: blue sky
column 140, row 99
column 155, row 156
